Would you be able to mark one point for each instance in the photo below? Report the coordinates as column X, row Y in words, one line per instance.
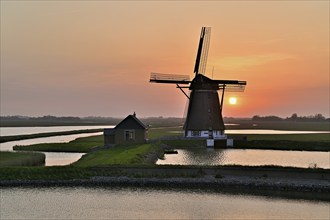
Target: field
column 135, row 164
column 170, row 137
column 280, row 125
column 79, row 145
column 9, row 159
column 289, row 137
column 46, row 134
column 310, row 142
column 120, row 155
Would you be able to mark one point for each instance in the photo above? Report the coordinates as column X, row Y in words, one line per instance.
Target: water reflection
column 269, row 131
column 263, row 131
column 6, row 131
column 204, row 156
column 128, row 203
column 61, row 159
column 8, row 146
column 248, row 157
column 52, row 158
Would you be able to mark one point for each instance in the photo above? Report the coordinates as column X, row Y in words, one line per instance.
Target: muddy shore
column 287, row 187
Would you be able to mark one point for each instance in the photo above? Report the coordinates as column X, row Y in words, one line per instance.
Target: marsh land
column 137, row 162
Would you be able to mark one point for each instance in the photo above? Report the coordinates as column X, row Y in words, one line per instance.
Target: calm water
column 6, row 131
column 185, row 157
column 61, row 159
column 269, row 131
column 8, row 146
column 265, row 131
column 247, row 157
column 52, row 158
column 129, row 203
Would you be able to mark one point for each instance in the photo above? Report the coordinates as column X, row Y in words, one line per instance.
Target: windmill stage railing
column 232, row 87
column 169, row 78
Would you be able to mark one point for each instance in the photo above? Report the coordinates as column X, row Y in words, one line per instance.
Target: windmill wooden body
column 204, row 115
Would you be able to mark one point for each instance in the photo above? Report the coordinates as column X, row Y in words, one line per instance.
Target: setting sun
column 232, row 100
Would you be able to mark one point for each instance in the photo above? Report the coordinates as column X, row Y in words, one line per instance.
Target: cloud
column 239, row 62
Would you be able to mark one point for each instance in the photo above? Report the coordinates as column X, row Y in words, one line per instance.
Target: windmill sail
column 204, row 112
column 169, row 78
column 203, row 49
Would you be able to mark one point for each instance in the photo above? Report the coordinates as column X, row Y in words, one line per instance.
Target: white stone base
column 210, row 143
column 230, row 142
column 205, row 134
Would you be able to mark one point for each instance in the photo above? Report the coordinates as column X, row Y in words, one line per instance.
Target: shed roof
column 131, row 122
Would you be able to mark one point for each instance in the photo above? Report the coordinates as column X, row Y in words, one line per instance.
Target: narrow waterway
column 52, row 158
column 248, row 157
column 8, row 131
column 189, row 156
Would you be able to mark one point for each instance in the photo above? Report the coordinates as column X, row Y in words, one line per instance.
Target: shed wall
column 139, row 136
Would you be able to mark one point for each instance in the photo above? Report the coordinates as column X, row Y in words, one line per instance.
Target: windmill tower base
column 218, row 134
column 219, row 143
column 214, row 139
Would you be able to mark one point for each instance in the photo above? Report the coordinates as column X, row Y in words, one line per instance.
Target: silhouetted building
column 204, row 115
column 128, row 131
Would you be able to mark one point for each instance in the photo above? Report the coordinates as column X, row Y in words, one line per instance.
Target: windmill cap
column 203, row 82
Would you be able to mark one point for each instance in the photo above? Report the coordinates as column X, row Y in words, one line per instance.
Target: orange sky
column 85, row 58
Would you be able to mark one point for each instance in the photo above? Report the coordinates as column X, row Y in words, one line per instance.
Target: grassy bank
column 308, row 142
column 255, row 144
column 159, row 132
column 81, row 145
column 164, row 171
column 283, row 145
column 8, row 159
column 280, row 125
column 155, row 133
column 45, row 173
column 325, row 137
column 121, row 155
column 47, row 134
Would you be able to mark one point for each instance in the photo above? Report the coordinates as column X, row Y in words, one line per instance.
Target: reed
column 119, row 155
column 81, row 145
column 46, row 134
column 8, row 159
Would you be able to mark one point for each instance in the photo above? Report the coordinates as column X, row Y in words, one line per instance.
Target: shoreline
column 4, row 139
column 280, row 187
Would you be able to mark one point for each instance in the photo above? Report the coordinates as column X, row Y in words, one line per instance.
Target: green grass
column 185, row 143
column 84, row 144
column 283, row 145
column 79, row 173
column 155, row 133
column 281, row 125
column 310, row 142
column 289, row 137
column 46, row 134
column 119, row 155
column 8, row 159
column 43, row 173
column 158, row 132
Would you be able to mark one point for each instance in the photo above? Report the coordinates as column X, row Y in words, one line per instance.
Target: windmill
column 204, row 115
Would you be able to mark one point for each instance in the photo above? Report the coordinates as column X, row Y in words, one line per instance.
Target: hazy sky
column 94, row 58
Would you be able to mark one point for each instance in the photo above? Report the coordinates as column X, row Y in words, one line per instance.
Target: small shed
column 128, row 131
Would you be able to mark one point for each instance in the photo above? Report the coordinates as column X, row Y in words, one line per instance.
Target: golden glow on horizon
column 95, row 57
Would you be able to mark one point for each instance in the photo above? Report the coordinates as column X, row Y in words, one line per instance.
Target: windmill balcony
column 205, row 134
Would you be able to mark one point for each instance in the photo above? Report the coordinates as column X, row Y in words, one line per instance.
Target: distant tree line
column 54, row 121
column 293, row 117
column 49, row 120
